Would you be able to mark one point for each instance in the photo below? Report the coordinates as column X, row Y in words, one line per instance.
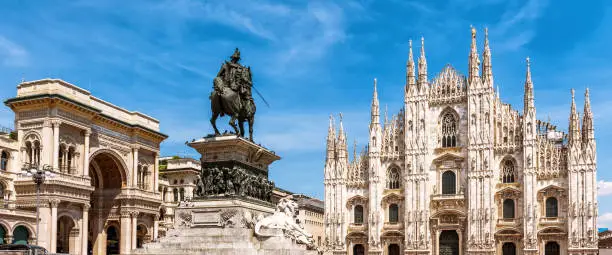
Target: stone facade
column 457, row 171
column 105, row 163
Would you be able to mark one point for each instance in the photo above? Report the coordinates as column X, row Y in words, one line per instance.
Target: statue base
column 233, row 166
column 222, row 225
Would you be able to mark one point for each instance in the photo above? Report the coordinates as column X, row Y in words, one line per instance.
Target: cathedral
column 458, row 171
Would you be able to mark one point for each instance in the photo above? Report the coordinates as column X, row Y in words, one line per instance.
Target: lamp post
column 38, row 176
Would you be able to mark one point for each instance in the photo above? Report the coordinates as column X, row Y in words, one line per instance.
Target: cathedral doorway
column 394, row 249
column 449, row 242
column 358, row 249
column 509, row 249
column 107, row 177
column 552, row 248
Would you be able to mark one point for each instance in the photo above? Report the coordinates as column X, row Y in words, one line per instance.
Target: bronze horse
column 230, row 103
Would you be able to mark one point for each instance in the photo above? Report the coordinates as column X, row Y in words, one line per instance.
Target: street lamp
column 38, row 176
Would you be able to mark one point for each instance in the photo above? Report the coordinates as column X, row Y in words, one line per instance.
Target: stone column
column 155, row 226
column 135, row 166
column 134, row 232
column 46, row 143
column 56, row 125
column 84, row 229
column 86, row 154
column 156, row 172
column 53, row 245
column 126, row 240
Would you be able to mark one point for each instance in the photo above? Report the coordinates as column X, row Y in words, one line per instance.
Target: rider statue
column 232, row 95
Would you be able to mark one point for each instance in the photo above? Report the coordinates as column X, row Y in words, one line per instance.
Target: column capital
column 86, row 207
column 134, row 213
column 125, row 214
column 47, row 123
column 87, row 132
column 54, row 202
column 56, row 122
column 136, row 147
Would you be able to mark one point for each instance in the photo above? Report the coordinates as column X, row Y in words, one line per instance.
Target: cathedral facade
column 457, row 171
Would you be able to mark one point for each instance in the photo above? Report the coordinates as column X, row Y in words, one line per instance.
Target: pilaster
column 56, row 126
column 85, row 169
column 125, row 244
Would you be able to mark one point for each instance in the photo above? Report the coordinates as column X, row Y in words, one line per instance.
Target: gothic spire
column 474, row 61
column 422, row 65
column 574, row 125
column 587, row 119
column 355, row 150
column 341, row 142
column 528, row 99
column 331, row 139
column 375, row 111
column 410, row 76
column 487, row 68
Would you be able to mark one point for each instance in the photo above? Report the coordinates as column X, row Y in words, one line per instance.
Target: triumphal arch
column 103, row 197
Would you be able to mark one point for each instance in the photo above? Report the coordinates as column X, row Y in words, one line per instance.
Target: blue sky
column 309, row 59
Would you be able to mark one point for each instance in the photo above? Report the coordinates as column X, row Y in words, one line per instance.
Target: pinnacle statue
column 232, row 96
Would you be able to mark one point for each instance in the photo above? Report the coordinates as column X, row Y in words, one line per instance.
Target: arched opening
column 358, row 249
column 21, row 235
column 4, row 161
column 141, row 233
column 551, row 208
column 66, row 235
column 449, row 130
column 508, row 249
column 449, row 183
column 358, row 214
column 508, row 209
column 2, row 234
column 393, row 213
column 182, row 195
column 3, row 196
column 393, row 249
column 449, row 242
column 112, row 240
column 107, row 177
column 552, row 248
column 508, row 172
column 393, row 178
column 176, row 194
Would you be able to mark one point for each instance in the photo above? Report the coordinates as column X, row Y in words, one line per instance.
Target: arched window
column 448, row 183
column 393, row 213
column 3, row 197
column 449, row 130
column 176, row 195
column 508, row 172
column 509, row 249
column 4, row 161
column 551, row 207
column 393, row 178
column 508, row 209
column 552, row 248
column 182, row 194
column 358, row 213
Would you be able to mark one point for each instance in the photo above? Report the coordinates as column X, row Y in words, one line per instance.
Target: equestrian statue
column 232, row 96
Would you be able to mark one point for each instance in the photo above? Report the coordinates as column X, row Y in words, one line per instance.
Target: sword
column 262, row 98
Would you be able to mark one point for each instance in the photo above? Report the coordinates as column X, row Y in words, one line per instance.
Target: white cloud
column 604, row 220
column 604, row 188
column 12, row 53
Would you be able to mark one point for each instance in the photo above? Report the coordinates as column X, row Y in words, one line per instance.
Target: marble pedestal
column 221, row 226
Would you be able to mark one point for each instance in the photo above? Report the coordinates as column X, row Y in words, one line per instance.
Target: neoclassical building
column 458, row 171
column 104, row 196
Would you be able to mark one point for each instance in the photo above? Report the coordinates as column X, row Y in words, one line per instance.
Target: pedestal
column 234, row 166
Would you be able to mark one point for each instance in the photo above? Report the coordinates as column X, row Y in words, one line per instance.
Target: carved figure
column 232, row 96
column 283, row 219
